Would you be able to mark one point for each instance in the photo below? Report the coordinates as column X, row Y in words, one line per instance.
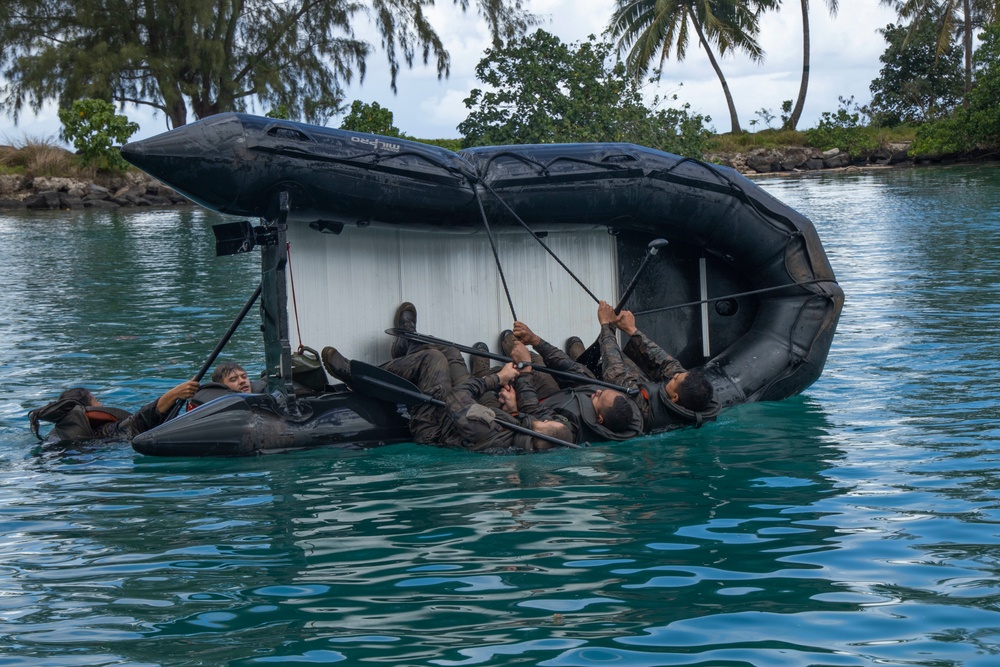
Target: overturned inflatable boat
column 352, row 224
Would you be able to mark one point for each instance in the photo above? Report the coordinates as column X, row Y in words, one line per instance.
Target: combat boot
column 405, row 319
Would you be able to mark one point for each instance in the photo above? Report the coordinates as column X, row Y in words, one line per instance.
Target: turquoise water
column 854, row 525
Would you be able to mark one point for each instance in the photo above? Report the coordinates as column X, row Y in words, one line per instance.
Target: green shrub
column 96, row 132
column 845, row 130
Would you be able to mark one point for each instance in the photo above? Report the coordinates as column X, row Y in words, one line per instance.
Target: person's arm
column 553, row 357
column 181, row 392
column 613, row 366
column 475, row 422
column 150, row 415
column 650, row 357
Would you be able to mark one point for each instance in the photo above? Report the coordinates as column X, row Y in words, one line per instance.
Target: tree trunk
column 800, row 102
column 733, row 118
column 177, row 113
column 966, row 6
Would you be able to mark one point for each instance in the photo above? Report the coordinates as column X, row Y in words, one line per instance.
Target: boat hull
column 744, row 288
column 253, row 424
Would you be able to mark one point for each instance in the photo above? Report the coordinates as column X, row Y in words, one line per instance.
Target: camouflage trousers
column 435, row 369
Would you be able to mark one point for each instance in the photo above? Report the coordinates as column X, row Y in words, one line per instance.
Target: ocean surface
column 856, row 524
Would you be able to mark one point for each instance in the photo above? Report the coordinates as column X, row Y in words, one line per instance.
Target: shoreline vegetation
column 40, row 175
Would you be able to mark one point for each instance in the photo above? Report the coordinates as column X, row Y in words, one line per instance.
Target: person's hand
column 626, row 322
column 184, row 390
column 525, row 335
column 508, row 399
column 507, row 373
column 181, row 392
column 605, row 313
column 519, row 353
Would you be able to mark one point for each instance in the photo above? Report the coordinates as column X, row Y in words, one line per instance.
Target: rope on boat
column 732, row 296
column 295, row 305
column 534, row 235
column 496, row 255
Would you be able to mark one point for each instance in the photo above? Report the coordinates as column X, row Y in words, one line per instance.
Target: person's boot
column 575, row 347
column 507, row 341
column 336, row 364
column 479, row 366
column 405, row 319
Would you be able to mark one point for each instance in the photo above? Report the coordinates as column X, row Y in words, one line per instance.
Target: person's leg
column 428, row 369
column 544, row 383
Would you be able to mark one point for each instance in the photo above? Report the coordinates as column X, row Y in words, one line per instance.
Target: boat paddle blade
column 382, row 384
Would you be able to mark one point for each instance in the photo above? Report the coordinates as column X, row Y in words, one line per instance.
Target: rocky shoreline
column 57, row 193
column 803, row 159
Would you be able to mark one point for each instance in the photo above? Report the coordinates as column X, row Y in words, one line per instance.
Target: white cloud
column 845, row 52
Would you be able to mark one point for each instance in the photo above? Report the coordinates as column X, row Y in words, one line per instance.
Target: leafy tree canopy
column 97, row 132
column 215, row 55
column 916, row 83
column 977, row 125
column 544, row 91
column 372, row 118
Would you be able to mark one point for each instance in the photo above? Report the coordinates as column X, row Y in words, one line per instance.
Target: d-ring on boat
column 349, row 225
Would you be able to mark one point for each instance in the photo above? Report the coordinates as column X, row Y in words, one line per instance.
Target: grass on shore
column 34, row 156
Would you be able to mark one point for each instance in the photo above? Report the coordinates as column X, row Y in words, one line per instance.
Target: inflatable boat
column 349, row 225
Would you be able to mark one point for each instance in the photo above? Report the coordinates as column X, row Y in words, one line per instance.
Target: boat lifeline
column 349, row 225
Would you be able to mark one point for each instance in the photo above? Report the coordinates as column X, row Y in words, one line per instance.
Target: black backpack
column 73, row 420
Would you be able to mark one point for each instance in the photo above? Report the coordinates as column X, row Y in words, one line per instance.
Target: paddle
column 592, row 355
column 218, row 347
column 382, row 384
column 425, row 338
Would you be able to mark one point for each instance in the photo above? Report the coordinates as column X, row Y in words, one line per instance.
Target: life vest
column 665, row 414
column 73, row 420
column 576, row 407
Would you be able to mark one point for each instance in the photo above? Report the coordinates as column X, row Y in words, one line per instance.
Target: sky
column 845, row 58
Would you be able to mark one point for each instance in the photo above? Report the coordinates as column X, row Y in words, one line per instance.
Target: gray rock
column 45, row 183
column 793, row 159
column 11, row 183
column 837, row 161
column 832, row 153
column 48, row 200
column 760, row 163
column 156, row 200
column 814, row 163
column 67, row 200
column 11, row 205
column 99, row 203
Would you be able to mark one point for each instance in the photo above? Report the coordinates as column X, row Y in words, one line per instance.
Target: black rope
column 535, row 236
column 732, row 296
column 496, row 255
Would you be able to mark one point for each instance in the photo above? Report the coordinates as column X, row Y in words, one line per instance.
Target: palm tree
column 953, row 17
column 649, row 29
column 800, row 102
